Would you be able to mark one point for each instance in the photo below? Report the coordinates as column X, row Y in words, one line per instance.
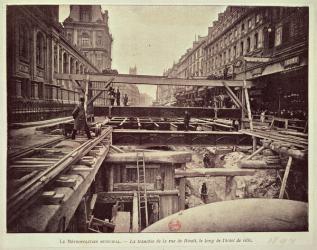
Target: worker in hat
column 79, row 116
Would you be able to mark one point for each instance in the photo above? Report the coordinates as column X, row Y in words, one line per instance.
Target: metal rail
column 22, row 198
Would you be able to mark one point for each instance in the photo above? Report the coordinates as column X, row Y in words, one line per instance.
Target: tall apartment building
column 190, row 65
column 268, row 45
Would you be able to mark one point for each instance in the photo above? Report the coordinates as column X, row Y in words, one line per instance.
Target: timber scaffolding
column 112, row 203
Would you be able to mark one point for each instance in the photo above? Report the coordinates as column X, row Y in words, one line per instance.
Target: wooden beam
column 202, row 172
column 182, row 188
column 154, row 157
column 247, row 100
column 79, row 85
column 231, row 94
column 135, row 214
column 152, row 80
column 131, row 186
column 259, row 150
column 283, row 186
column 101, row 91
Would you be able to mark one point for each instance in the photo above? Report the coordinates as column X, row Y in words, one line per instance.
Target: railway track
column 34, row 171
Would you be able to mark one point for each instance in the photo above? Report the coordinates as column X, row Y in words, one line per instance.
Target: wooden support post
column 124, row 173
column 248, row 107
column 169, row 181
column 135, row 214
column 287, row 169
column 110, row 180
column 234, row 98
column 243, row 109
column 230, row 190
column 254, row 143
column 255, row 153
column 100, row 92
column 182, row 186
column 82, row 217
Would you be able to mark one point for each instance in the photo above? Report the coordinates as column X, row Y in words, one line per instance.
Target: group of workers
column 116, row 96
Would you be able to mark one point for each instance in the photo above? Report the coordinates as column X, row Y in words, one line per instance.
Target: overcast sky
column 153, row 37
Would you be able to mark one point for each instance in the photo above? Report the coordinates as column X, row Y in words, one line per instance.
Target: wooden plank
column 64, row 181
column 93, row 202
column 28, row 168
column 123, row 174
column 103, row 195
column 23, row 179
column 36, row 162
column 122, row 224
column 233, row 96
column 131, row 186
column 230, row 188
column 202, row 172
column 119, row 150
column 152, row 80
column 259, row 150
column 110, row 179
column 147, row 166
column 169, row 180
column 283, row 186
column 51, row 198
column 153, row 157
column 181, row 188
column 135, row 214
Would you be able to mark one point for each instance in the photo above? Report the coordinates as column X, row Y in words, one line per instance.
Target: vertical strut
column 142, row 194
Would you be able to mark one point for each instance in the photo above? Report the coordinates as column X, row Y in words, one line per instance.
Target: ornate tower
column 87, row 28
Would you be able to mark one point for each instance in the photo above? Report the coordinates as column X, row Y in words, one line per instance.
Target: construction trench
column 142, row 172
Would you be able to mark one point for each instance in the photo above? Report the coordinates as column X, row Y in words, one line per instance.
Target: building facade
column 36, row 50
column 190, row 65
column 267, row 45
column 87, row 28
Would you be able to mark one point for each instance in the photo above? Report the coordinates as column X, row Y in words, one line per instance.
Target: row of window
column 243, row 27
column 230, row 38
column 24, row 46
column 40, row 53
column 250, row 44
column 85, row 40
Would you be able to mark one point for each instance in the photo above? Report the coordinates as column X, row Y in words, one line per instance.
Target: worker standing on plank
column 118, row 97
column 125, row 100
column 203, row 192
column 79, row 116
column 186, row 120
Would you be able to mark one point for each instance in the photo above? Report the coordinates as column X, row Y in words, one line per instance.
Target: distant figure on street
column 125, row 100
column 80, row 119
column 111, row 96
column 118, row 97
column 203, row 192
column 186, row 120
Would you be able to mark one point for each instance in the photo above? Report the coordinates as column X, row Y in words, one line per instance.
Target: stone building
column 87, row 28
column 36, row 50
column 190, row 65
column 268, row 45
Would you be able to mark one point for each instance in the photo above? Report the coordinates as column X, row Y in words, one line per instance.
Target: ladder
column 142, row 196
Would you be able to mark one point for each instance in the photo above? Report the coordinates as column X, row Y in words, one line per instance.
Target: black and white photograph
column 157, row 118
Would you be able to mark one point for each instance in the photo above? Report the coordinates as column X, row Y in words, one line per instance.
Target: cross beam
column 152, row 80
